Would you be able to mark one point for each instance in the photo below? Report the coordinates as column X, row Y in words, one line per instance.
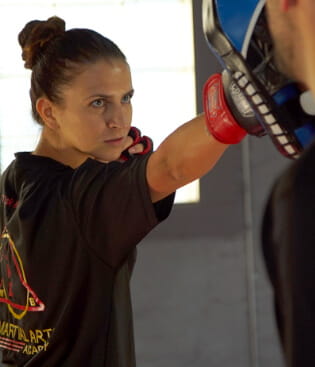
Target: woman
column 72, row 213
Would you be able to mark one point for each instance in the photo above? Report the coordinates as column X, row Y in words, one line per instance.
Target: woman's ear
column 45, row 110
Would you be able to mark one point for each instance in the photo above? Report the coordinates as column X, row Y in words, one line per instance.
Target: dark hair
column 54, row 54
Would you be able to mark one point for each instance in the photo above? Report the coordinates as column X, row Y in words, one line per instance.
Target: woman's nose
column 115, row 117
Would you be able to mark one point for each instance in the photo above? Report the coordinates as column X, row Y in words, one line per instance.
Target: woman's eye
column 127, row 98
column 98, row 103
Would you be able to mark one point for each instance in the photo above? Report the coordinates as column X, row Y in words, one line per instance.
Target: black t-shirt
column 66, row 256
column 289, row 250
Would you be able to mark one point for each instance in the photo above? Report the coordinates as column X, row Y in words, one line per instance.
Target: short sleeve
column 113, row 208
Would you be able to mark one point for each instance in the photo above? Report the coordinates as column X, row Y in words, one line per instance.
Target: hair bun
column 35, row 36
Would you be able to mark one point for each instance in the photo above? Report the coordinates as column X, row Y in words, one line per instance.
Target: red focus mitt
column 220, row 120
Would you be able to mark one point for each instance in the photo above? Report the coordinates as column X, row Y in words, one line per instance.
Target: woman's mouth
column 116, row 141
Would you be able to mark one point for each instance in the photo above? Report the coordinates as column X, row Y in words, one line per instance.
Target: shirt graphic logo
column 15, row 292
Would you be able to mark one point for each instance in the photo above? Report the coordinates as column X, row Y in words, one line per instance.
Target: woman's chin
column 107, row 158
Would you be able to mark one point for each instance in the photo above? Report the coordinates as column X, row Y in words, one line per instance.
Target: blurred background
column 200, row 292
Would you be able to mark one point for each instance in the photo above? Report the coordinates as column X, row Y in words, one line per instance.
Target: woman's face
column 95, row 116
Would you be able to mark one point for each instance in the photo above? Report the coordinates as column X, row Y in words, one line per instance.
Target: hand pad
column 220, row 121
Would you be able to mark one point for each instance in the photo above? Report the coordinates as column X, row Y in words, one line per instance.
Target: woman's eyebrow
column 102, row 95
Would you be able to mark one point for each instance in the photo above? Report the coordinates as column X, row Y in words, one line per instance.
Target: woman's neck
column 50, row 146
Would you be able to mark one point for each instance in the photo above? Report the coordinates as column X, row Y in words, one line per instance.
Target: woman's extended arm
column 185, row 155
column 195, row 147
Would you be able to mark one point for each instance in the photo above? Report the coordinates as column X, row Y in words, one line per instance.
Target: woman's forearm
column 185, row 155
